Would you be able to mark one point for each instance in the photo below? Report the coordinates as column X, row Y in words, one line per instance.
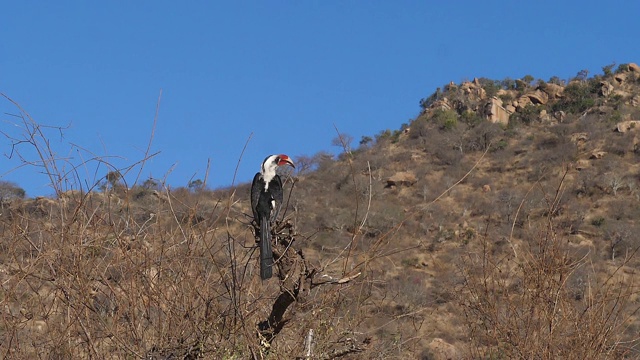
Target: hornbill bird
column 266, row 201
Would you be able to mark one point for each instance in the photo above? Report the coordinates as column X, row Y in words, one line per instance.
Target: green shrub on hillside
column 578, row 97
column 622, row 68
column 490, row 87
column 608, row 69
column 527, row 115
column 446, row 119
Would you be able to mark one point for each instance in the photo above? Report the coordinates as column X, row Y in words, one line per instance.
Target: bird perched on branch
column 266, row 201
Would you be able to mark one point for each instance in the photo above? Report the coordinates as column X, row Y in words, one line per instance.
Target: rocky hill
column 516, row 167
column 499, row 223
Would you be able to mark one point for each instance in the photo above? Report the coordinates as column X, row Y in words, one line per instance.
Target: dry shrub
column 95, row 280
column 131, row 272
column 122, row 273
column 545, row 300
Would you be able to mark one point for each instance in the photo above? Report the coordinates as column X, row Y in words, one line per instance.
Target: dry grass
column 548, row 301
column 130, row 272
column 366, row 272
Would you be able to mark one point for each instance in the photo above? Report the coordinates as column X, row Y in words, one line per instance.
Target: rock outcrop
column 606, row 88
column 544, row 116
column 621, row 77
column 496, row 113
column 522, row 102
column 553, row 90
column 537, row 97
column 625, row 126
column 560, row 115
column 514, row 96
column 473, row 90
column 402, row 178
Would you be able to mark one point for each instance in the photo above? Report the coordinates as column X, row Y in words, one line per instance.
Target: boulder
column 507, row 93
column 402, row 178
column 625, row 126
column 597, row 154
column 606, row 88
column 635, row 101
column 553, row 90
column 535, row 97
column 496, row 113
column 442, row 104
column 473, row 91
column 467, row 86
column 523, row 101
column 544, row 116
column 621, row 77
column 634, row 67
column 538, row 97
column 480, row 93
column 560, row 115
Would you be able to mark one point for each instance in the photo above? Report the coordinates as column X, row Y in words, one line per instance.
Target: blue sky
column 284, row 71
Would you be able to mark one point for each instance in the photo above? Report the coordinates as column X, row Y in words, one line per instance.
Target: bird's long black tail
column 266, row 254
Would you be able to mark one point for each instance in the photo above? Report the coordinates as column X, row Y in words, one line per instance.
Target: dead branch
column 295, row 276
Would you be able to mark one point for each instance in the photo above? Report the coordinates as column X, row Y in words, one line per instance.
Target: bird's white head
column 271, row 163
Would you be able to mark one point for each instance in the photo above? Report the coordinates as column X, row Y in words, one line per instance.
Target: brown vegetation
column 497, row 242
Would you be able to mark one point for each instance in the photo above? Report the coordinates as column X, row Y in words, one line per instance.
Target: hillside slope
column 500, row 223
column 551, row 165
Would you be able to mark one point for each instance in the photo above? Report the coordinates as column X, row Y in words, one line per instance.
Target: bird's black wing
column 256, row 187
column 275, row 186
column 261, row 206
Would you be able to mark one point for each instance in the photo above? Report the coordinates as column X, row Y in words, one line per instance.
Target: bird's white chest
column 267, row 177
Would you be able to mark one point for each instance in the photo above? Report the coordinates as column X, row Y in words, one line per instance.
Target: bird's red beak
column 284, row 160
